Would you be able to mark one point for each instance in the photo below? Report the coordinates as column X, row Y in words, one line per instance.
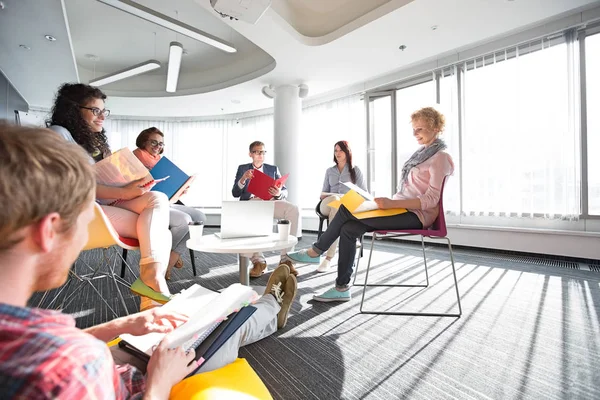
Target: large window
column 322, row 126
column 592, row 54
column 380, row 145
column 196, row 147
column 409, row 100
column 520, row 147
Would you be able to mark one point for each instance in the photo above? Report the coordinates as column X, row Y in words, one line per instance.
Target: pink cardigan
column 425, row 183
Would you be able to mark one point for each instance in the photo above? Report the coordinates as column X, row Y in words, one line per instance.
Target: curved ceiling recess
column 318, row 22
column 156, row 49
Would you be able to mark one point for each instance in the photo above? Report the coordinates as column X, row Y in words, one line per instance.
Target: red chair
column 436, row 231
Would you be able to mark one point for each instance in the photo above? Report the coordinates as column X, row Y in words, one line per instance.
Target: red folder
column 259, row 185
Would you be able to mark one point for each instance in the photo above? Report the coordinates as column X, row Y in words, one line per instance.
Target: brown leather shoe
column 258, row 268
column 290, row 264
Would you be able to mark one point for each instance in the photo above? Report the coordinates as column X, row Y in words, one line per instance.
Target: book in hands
column 260, row 183
column 362, row 208
column 177, row 183
column 120, row 169
column 205, row 309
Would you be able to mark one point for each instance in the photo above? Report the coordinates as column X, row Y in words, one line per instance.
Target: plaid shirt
column 44, row 356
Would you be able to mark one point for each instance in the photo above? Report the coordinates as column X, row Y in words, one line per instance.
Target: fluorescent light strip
column 169, row 23
column 175, row 53
column 126, row 73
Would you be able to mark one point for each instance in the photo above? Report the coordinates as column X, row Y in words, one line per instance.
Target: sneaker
column 290, row 265
column 258, row 269
column 287, row 298
column 277, row 278
column 324, row 266
column 333, row 295
column 303, row 257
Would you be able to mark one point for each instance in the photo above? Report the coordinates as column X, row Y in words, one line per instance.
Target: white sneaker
column 324, row 266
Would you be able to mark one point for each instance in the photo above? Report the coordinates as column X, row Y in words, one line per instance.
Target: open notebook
column 205, row 310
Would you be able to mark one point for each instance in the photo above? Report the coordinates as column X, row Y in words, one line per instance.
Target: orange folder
column 259, row 185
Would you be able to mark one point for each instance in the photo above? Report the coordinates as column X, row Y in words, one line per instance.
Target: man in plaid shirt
column 47, row 192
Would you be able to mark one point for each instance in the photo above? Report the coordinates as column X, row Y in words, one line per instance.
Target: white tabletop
column 213, row 244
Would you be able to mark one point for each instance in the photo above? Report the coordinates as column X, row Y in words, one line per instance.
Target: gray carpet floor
column 530, row 326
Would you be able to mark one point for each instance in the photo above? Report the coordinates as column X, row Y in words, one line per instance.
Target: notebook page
column 187, row 302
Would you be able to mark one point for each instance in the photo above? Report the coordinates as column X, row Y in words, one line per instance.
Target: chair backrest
column 439, row 225
column 101, row 233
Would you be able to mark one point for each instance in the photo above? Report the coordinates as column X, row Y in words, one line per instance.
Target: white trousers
column 330, row 212
column 145, row 218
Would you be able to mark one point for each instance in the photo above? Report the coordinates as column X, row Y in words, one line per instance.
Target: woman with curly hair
column 78, row 115
column 419, row 193
column 150, row 146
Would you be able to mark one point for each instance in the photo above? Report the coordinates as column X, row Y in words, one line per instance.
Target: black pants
column 348, row 228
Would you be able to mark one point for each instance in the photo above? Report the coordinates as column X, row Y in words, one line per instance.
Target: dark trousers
column 348, row 228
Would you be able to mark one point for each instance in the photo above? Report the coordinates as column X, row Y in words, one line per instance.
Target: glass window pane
column 409, row 100
column 520, row 147
column 380, row 114
column 592, row 66
column 322, row 126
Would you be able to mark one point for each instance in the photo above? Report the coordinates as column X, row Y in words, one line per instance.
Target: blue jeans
column 348, row 228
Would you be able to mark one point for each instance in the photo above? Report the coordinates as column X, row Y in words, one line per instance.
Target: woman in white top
column 343, row 171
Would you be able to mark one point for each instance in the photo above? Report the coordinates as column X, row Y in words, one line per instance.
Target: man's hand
column 154, row 320
column 247, row 175
column 275, row 191
column 166, row 368
column 384, row 203
column 135, row 189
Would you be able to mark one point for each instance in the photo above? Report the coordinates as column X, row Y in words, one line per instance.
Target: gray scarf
column 420, row 156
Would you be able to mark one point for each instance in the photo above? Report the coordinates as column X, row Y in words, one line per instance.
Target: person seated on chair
column 419, row 192
column 283, row 208
column 78, row 115
column 335, row 176
column 43, row 355
column 150, row 145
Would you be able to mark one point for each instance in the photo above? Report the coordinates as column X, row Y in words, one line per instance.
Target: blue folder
column 177, row 182
column 221, row 334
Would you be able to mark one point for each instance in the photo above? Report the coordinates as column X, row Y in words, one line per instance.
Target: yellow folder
column 352, row 200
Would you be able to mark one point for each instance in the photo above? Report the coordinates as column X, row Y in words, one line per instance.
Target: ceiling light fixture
column 126, row 73
column 169, row 23
column 24, row 47
column 50, row 38
column 175, row 53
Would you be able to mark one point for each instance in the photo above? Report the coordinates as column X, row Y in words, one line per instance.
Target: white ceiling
column 353, row 43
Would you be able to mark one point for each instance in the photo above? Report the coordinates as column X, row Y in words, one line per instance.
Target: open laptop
column 240, row 219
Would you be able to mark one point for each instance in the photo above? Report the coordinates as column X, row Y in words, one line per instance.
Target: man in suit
column 283, row 208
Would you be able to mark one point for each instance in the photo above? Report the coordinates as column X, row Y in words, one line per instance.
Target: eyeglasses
column 96, row 111
column 259, row 152
column 155, row 143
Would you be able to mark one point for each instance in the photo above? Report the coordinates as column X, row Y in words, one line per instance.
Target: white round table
column 213, row 244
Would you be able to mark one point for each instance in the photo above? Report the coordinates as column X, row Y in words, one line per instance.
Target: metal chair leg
column 418, row 314
column 425, row 261
column 192, row 258
column 454, row 274
column 123, row 262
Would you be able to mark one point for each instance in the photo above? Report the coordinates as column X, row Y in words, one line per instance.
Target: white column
column 287, row 114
